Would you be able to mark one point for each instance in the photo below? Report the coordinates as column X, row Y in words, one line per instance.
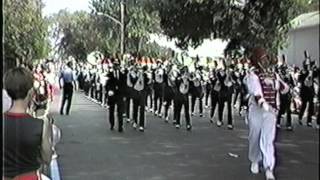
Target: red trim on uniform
column 17, row 115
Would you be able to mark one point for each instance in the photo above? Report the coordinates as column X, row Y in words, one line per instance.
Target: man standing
column 68, row 84
column 262, row 86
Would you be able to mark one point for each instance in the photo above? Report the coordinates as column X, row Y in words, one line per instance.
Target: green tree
column 77, row 34
column 244, row 23
column 139, row 23
column 25, row 31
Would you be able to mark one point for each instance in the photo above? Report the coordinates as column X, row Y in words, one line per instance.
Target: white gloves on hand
column 110, row 93
column 265, row 106
column 268, row 81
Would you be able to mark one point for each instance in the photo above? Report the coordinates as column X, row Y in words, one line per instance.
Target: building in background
column 304, row 35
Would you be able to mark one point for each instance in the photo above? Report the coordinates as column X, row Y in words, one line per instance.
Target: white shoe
column 206, row 107
column 156, row 114
column 317, row 126
column 192, row 114
column 128, row 120
column 167, row 119
column 254, row 168
column 141, row 129
column 269, row 175
column 230, row 127
column 177, row 126
column 54, row 155
column 160, row 115
column 151, row 110
column 134, row 125
column 219, row 123
column 278, row 126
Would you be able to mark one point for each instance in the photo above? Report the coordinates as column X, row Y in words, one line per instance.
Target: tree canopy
column 244, row 23
column 25, row 31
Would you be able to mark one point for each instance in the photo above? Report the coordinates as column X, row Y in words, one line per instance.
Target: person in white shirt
column 6, row 101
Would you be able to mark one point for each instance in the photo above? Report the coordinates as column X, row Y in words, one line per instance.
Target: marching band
column 162, row 87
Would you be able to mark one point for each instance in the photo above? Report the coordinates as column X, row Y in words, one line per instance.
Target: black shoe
column 120, row 129
column 201, row 115
column 300, row 122
column 61, row 113
column 111, row 128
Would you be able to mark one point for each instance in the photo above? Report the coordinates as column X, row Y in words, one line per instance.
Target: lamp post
column 120, row 22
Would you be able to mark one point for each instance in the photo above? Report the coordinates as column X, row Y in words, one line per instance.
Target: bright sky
column 208, row 48
column 53, row 6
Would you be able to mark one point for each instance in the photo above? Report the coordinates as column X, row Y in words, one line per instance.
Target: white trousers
column 262, row 129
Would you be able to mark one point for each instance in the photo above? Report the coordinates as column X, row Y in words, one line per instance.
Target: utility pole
column 122, row 25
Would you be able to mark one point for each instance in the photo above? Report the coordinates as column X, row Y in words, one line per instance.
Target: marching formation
column 161, row 86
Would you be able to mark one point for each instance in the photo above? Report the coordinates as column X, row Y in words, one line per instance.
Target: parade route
column 90, row 151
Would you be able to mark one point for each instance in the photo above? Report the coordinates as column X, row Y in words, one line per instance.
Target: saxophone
column 184, row 86
column 139, row 86
column 309, row 79
column 159, row 75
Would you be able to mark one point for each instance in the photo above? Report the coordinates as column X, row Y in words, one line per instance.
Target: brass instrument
column 184, row 86
column 159, row 75
column 139, row 86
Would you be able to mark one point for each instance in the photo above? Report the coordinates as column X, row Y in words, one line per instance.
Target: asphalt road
column 90, row 151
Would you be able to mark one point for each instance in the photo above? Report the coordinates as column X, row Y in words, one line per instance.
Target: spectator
column 23, row 134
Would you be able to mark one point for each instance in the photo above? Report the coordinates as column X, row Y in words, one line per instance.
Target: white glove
column 268, row 81
column 110, row 93
column 265, row 106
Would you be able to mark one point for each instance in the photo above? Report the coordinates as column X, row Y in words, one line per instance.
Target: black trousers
column 67, row 96
column 193, row 103
column 158, row 97
column 98, row 93
column 208, row 91
column 214, row 102
column 92, row 90
column 128, row 107
column 236, row 95
column 86, row 87
column 139, row 103
column 307, row 99
column 182, row 100
column 168, row 98
column 116, row 101
column 225, row 97
column 285, row 101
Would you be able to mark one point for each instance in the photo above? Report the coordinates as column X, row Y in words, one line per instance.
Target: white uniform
column 262, row 123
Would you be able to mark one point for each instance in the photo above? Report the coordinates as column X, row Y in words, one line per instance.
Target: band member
column 196, row 90
column 182, row 98
column 68, row 84
column 285, row 98
column 92, row 82
column 215, row 90
column 225, row 95
column 86, row 77
column 262, row 85
column 307, row 91
column 115, row 87
column 158, row 88
column 138, row 80
column 168, row 93
column 148, row 89
column 99, row 79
